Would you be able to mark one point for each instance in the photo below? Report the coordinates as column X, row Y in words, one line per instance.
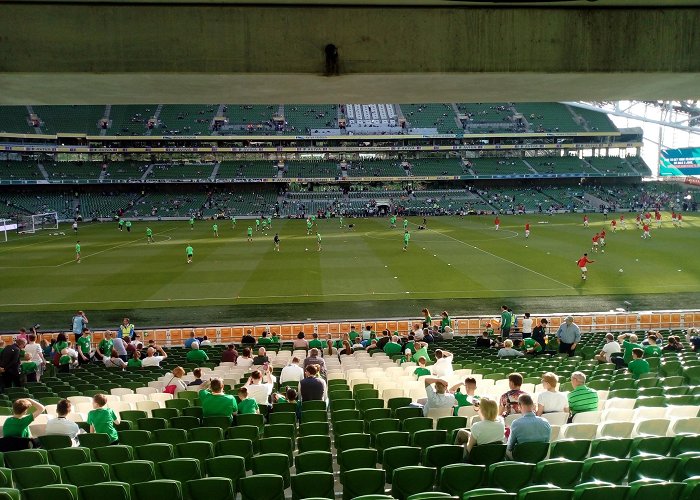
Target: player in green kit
column 190, row 253
column 406, row 238
column 269, row 222
column 149, row 235
column 191, row 223
column 121, row 224
column 405, row 224
column 215, row 228
column 77, row 252
column 233, row 222
column 250, row 233
column 128, row 226
column 393, row 221
column 257, row 224
column 318, row 238
column 308, row 226
column 264, row 225
column 341, row 221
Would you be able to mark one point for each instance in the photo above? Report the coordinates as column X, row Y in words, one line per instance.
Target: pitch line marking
column 500, row 258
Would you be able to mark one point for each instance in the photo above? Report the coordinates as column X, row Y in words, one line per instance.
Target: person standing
column 9, row 364
column 250, row 233
column 318, row 239
column 191, row 223
column 77, row 251
column 581, row 263
column 506, row 322
column 215, row 228
column 277, row 242
column 406, row 239
column 128, row 226
column 149, row 235
column 190, row 253
column 312, row 387
column 527, row 326
column 80, row 321
column 569, row 335
column 126, row 329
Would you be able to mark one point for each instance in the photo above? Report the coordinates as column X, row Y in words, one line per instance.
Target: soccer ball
column 620, row 270
column 306, row 249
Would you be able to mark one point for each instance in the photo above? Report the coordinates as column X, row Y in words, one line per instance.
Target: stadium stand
column 167, row 205
column 15, row 119
column 186, row 119
column 180, row 171
column 125, row 171
column 440, row 117
column 15, row 171
column 70, row 119
column 131, row 119
column 549, row 117
column 67, row 172
column 437, row 166
column 241, row 202
column 375, row 168
column 250, row 119
column 305, row 119
column 105, row 205
column 255, row 169
column 499, row 166
column 595, row 120
column 328, row 169
column 33, row 204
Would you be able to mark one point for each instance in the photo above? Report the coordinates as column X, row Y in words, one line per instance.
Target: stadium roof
column 132, row 51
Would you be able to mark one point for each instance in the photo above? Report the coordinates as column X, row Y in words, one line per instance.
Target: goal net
column 33, row 223
column 5, row 226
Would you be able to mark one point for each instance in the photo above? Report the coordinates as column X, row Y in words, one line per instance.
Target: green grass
column 461, row 265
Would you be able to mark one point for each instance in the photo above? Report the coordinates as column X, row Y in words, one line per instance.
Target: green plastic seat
column 572, row 449
column 54, row 492
column 616, row 448
column 86, row 474
column 36, row 476
column 201, row 450
column 239, row 447
column 605, row 469
column 361, row 482
column 487, row 454
column 440, row 455
column 112, row 490
column 431, row 495
column 314, row 461
column 429, row 437
column 415, row 424
column 63, row 457
column 341, row 415
column 243, row 432
column 7, row 493
column 262, row 487
column 457, row 479
column 95, row 440
column 134, row 471
column 560, row 472
column 178, row 404
column 272, row 463
column 221, row 422
column 313, row 485
column 689, row 465
column 180, row 469
column 489, row 494
column 544, row 492
column 280, row 430
column 412, row 479
column 531, row 453
column 284, row 418
column 171, row 436
column 312, row 428
column 210, row 434
column 5, row 477
column 166, row 413
column 277, row 445
column 651, row 445
column 598, row 491
column 210, row 488
column 390, row 439
column 450, row 424
column 347, row 427
column 653, row 467
column 54, row 441
column 399, row 456
column 160, row 488
column 348, row 441
column 510, row 476
column 313, row 405
column 649, row 489
column 228, row 466
column 114, row 454
column 692, row 488
column 184, row 422
column 408, row 412
column 134, row 437
column 26, row 458
column 154, row 452
column 357, row 458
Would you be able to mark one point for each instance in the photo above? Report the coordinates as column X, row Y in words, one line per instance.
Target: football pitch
column 462, row 265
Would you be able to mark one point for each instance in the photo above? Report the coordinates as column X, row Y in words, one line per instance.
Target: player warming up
column 601, row 240
column 250, row 233
column 657, row 216
column 594, row 246
column 149, row 235
column 582, row 265
column 613, row 225
column 318, row 239
column 191, row 223
column 497, row 223
column 406, row 239
column 77, row 252
column 308, row 226
column 645, row 233
column 75, row 227
column 215, row 228
column 623, row 224
column 585, row 221
column 190, row 253
column 527, row 230
column 277, row 242
column 405, row 224
column 341, row 221
column 393, row 221
column 233, row 222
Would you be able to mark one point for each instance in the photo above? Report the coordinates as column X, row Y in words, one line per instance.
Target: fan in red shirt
column 527, row 230
column 585, row 221
column 646, row 234
column 497, row 223
column 582, row 265
column 594, row 247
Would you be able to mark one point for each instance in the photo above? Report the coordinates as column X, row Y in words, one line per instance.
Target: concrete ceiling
column 88, row 52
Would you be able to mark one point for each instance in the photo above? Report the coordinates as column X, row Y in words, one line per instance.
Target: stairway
column 37, row 130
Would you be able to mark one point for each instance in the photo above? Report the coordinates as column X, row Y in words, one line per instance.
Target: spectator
column 531, row 347
column 484, row 341
column 10, row 364
column 445, row 321
column 289, row 396
column 248, row 338
column 214, row 402
column 197, row 372
column 264, row 338
column 693, row 338
column 627, row 346
column 261, row 358
column 300, row 342
column 539, row 333
column 104, row 348
column 36, row 354
column 230, row 355
column 437, row 397
column 292, row 372
column 638, row 366
column 490, row 429
column 611, row 347
column 316, row 342
column 196, row 355
column 246, row 360
column 102, row 419
column 384, row 340
column 135, row 361
column 469, row 397
column 190, row 340
column 393, row 346
column 427, row 318
column 61, row 425
column 507, row 350
column 246, row 405
column 152, row 359
column 581, row 399
column 551, row 400
column 119, row 346
column 569, row 335
column 314, row 359
column 79, row 323
column 205, row 342
column 442, row 368
column 176, row 379
column 18, row 424
column 312, row 386
column 329, row 349
column 673, row 345
column 421, row 350
column 506, row 322
column 509, row 400
column 417, row 332
column 353, row 334
column 346, row 350
column 529, row 428
column 448, row 334
column 28, row 369
column 114, row 361
column 652, row 350
column 421, row 369
column 372, row 345
column 259, row 386
column 367, row 333
column 130, row 346
column 126, row 330
column 527, row 326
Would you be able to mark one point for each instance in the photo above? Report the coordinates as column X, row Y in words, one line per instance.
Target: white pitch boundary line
column 500, row 258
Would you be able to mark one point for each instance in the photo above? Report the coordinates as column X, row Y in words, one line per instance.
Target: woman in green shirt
column 60, row 344
column 445, row 321
column 427, row 318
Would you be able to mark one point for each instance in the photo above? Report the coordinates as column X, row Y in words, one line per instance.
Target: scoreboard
column 681, row 161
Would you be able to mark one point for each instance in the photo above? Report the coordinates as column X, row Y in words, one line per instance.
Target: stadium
column 393, row 274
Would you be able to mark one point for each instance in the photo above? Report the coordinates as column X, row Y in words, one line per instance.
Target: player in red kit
column 680, row 219
column 585, row 221
column 582, row 265
column 497, row 223
column 657, row 216
column 613, row 225
column 622, row 222
column 646, row 234
column 673, row 218
column 638, row 221
column 602, row 241
column 594, row 246
column 527, row 230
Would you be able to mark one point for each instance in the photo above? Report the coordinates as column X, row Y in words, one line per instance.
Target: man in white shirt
column 292, row 372
column 61, row 425
column 526, row 326
column 438, row 397
column 259, row 386
column 151, row 359
column 119, row 346
column 205, row 342
column 443, row 364
column 610, row 347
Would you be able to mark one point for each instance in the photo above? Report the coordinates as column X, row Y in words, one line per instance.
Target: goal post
column 32, row 223
column 5, row 226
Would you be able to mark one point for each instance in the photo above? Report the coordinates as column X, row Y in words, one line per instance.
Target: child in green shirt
column 18, row 424
column 102, row 420
column 638, row 366
column 246, row 405
column 28, row 368
column 64, row 362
